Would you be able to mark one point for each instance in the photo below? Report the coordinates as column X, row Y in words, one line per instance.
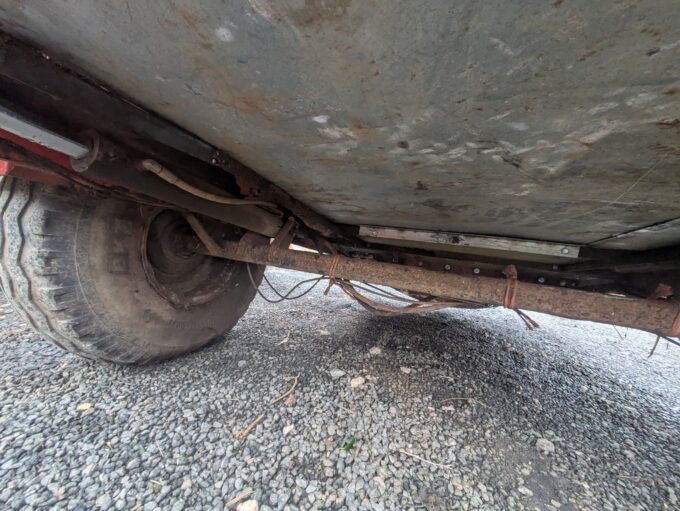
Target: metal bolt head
column 541, row 279
column 565, row 250
column 563, row 283
column 447, row 267
column 476, row 271
column 555, row 267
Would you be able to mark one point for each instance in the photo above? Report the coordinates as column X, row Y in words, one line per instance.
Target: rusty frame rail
column 658, row 316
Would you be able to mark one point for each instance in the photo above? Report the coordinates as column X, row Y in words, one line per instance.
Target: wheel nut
column 476, row 271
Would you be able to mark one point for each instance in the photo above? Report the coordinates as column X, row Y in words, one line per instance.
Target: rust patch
column 312, row 13
column 359, row 130
column 669, row 123
column 586, row 55
column 252, row 104
column 266, row 9
column 191, row 18
column 317, row 12
column 668, row 150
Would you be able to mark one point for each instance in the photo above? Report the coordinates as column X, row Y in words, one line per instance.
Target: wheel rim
column 174, row 268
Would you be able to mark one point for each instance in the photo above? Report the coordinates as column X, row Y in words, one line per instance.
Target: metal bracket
column 452, row 240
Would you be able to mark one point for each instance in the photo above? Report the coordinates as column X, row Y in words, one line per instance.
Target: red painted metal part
column 29, row 170
column 31, row 174
column 5, row 167
column 55, row 157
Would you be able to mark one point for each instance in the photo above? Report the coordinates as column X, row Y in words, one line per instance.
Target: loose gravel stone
column 545, row 446
column 357, row 381
column 248, row 505
column 488, row 416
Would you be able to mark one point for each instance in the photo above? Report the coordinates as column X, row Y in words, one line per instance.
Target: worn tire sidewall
column 110, row 271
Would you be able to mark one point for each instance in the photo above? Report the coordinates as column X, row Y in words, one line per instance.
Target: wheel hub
column 175, row 270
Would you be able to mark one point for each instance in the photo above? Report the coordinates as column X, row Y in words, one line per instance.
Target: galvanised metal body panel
column 541, row 120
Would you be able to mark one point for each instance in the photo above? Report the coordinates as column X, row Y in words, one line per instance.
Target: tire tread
column 34, row 237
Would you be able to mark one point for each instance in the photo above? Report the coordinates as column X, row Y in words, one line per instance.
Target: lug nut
column 476, row 271
column 541, row 280
column 447, row 267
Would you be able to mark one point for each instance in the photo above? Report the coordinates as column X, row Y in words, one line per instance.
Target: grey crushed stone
column 482, row 404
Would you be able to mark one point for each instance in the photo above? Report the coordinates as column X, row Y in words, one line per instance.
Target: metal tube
column 657, row 316
column 12, row 122
column 169, row 177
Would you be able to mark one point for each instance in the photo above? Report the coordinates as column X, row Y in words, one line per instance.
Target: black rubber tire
column 73, row 268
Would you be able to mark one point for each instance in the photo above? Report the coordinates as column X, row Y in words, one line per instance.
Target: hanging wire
column 351, row 289
column 286, row 296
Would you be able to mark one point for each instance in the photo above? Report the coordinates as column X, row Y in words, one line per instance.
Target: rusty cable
column 170, row 177
column 350, row 289
column 509, row 298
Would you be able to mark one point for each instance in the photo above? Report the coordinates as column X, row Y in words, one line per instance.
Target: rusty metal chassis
column 658, row 316
column 34, row 83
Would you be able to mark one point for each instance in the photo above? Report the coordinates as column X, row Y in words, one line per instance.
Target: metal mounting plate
column 450, row 241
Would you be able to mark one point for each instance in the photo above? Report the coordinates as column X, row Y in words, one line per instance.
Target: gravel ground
column 450, row 410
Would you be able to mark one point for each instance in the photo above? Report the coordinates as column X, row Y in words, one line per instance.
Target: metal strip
column 453, row 239
column 10, row 121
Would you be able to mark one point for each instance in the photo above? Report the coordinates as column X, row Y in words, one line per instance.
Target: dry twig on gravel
column 239, row 498
column 289, row 391
column 402, row 451
column 243, row 434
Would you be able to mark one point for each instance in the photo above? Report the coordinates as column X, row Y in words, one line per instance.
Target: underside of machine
column 441, row 148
